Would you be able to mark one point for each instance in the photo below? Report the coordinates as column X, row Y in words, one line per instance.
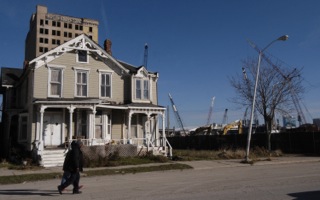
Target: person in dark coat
column 73, row 165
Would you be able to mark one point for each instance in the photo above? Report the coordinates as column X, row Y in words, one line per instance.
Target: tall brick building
column 48, row 30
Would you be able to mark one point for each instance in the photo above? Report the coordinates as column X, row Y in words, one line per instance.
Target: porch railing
column 145, row 142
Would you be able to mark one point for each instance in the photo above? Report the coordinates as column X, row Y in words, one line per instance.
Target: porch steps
column 159, row 151
column 53, row 157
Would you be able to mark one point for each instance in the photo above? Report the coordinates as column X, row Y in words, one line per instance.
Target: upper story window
column 82, row 56
column 142, row 89
column 55, row 81
column 82, row 77
column 105, row 84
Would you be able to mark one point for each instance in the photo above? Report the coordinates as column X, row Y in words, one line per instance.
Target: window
column 146, row 89
column 81, row 83
column 83, row 123
column 70, row 26
column 44, row 31
column 82, row 56
column 55, row 81
column 90, row 29
column 23, row 127
column 54, row 23
column 53, row 32
column 70, row 35
column 99, row 123
column 142, row 89
column 58, row 24
column 105, row 85
column 138, row 89
column 65, row 34
column 109, row 125
column 41, row 22
column 43, row 40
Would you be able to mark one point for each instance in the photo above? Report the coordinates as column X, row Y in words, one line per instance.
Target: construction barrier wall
column 287, row 142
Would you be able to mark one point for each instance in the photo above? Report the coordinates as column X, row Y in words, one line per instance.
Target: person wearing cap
column 73, row 165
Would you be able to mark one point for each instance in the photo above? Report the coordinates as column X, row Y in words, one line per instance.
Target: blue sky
column 195, row 45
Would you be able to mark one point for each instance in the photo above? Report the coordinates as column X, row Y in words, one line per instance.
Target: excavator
column 236, row 125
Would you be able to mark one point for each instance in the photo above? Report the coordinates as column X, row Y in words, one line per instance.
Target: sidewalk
column 197, row 165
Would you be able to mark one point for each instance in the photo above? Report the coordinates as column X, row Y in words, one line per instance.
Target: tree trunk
column 268, row 131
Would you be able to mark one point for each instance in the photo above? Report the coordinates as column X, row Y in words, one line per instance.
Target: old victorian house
column 78, row 90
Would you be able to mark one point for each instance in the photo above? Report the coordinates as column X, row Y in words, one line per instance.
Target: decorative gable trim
column 83, row 43
column 142, row 73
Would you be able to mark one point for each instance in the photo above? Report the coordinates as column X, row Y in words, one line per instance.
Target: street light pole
column 282, row 38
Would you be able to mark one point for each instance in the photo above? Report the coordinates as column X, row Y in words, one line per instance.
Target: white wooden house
column 78, row 90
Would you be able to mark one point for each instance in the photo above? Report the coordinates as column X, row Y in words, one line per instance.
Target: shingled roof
column 9, row 76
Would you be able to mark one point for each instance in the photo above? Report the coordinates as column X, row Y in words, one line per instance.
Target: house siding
column 68, row 60
column 154, row 92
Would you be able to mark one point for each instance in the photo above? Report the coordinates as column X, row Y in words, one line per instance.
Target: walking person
column 73, row 165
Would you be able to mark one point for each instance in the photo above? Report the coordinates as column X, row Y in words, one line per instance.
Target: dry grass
column 255, row 154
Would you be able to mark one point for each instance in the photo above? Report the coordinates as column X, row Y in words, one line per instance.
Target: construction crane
column 145, row 61
column 301, row 117
column 177, row 115
column 210, row 111
column 224, row 120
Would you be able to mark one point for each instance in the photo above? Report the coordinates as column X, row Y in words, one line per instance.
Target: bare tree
column 275, row 90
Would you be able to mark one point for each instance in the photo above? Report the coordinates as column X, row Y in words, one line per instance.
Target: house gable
column 81, row 43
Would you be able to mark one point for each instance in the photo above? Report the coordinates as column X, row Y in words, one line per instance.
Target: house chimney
column 107, row 46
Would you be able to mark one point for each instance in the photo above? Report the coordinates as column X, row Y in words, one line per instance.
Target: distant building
column 48, row 30
column 289, row 122
column 316, row 122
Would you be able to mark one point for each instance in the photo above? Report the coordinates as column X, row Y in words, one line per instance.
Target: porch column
column 71, row 110
column 147, row 126
column 163, row 129
column 40, row 144
column 94, row 123
column 129, row 128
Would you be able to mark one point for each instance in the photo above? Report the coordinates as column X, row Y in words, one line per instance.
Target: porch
column 52, row 157
column 97, row 124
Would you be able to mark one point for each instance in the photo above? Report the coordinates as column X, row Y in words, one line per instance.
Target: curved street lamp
column 282, row 38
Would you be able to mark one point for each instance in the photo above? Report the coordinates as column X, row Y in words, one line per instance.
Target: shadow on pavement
column 310, row 195
column 30, row 192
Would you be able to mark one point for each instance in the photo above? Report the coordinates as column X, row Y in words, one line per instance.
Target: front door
column 52, row 129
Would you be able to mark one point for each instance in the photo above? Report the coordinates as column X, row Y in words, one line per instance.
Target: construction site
column 295, row 121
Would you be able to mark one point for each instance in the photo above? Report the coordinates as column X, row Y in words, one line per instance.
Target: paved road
column 209, row 180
